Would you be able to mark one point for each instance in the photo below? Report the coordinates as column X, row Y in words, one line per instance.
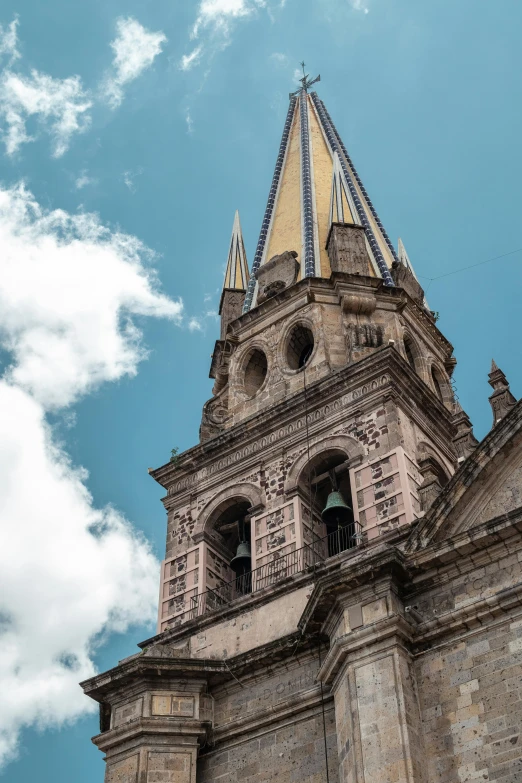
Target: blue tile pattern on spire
column 333, row 140
column 269, row 207
column 359, row 182
column 306, row 190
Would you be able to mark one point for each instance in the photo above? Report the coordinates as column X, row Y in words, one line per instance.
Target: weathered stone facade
column 388, row 650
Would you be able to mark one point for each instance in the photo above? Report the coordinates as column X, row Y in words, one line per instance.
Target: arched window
column 229, row 526
column 328, row 473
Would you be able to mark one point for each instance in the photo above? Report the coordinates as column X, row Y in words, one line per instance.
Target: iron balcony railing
column 281, row 567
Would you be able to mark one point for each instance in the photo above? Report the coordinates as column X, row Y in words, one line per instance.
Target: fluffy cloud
column 134, row 49
column 216, row 19
column 83, row 180
column 61, row 106
column 219, row 14
column 69, row 572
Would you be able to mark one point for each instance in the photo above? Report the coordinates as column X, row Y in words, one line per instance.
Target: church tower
column 306, row 576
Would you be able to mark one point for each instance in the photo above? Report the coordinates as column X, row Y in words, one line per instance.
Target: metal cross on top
column 305, row 82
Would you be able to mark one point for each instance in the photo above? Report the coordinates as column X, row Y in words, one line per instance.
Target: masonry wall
column 471, row 703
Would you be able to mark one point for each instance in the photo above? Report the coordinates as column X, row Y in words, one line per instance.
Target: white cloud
column 9, row 40
column 188, row 61
column 134, row 49
column 63, row 346
column 219, row 14
column 129, row 179
column 279, row 58
column 83, row 180
column 61, row 106
column 195, row 324
column 360, row 5
column 69, row 572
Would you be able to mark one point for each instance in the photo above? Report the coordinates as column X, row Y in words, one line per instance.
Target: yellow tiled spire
column 314, row 184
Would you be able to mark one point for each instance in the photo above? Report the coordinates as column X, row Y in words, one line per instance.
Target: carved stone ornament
column 277, row 274
column 215, row 414
column 358, row 304
column 346, row 247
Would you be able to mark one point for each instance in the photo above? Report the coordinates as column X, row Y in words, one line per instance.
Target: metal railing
column 276, row 570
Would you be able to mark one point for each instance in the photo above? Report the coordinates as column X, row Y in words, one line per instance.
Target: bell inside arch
column 242, row 560
column 337, row 513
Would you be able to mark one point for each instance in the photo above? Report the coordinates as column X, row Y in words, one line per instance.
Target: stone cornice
column 171, row 728
column 368, row 567
column 353, row 388
column 142, row 667
column 472, row 616
column 465, row 476
column 376, row 637
column 285, row 712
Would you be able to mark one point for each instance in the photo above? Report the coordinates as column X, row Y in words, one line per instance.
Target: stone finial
column 501, row 400
column 464, row 440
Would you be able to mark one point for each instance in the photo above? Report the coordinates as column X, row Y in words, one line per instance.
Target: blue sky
column 171, row 124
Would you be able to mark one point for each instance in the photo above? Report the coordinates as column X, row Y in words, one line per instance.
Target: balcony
column 278, row 569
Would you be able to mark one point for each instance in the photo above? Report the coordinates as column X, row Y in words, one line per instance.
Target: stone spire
column 464, row 440
column 236, row 278
column 501, row 400
column 315, row 185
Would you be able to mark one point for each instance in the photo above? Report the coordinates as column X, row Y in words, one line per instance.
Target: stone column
column 152, row 722
column 377, row 714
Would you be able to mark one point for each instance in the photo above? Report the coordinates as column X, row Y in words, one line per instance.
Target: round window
column 299, row 347
column 255, row 372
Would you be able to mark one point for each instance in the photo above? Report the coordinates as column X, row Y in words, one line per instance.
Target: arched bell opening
column 230, row 525
column 325, row 484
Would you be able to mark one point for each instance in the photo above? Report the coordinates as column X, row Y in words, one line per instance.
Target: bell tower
column 284, row 641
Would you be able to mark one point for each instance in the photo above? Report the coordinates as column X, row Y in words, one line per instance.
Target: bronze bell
column 337, row 513
column 242, row 561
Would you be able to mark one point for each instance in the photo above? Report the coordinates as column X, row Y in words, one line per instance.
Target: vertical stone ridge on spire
column 334, row 141
column 236, row 275
column 340, row 207
column 270, row 206
column 372, row 209
column 306, row 190
column 501, row 400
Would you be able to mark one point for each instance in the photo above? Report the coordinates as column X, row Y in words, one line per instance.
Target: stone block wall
column 286, row 754
column 471, row 706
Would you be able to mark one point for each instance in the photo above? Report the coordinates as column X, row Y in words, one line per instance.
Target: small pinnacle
column 493, row 366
